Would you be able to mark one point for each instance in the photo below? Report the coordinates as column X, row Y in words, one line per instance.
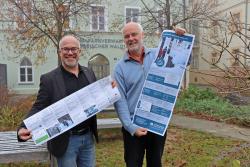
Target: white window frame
column 26, row 67
column 197, row 31
column 105, row 18
column 214, row 30
column 130, row 7
column 73, row 22
column 235, row 23
column 101, row 70
column 213, row 3
column 22, row 15
column 195, row 58
column 235, row 61
column 158, row 19
column 214, row 58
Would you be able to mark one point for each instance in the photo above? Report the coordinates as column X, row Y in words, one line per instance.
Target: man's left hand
column 113, row 84
column 179, row 31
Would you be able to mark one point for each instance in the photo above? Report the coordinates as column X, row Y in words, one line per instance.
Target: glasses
column 73, row 50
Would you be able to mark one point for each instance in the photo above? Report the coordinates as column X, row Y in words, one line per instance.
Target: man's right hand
column 141, row 132
column 24, row 134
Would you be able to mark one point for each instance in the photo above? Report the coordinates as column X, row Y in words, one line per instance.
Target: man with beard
column 130, row 74
column 74, row 147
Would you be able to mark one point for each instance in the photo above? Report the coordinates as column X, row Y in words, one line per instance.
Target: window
column 132, row 14
column 214, row 59
column 3, row 75
column 235, row 23
column 195, row 29
column 195, row 58
column 26, row 72
column 74, row 8
column 214, row 29
column 162, row 20
column 63, row 10
column 73, row 22
column 98, row 18
column 213, row 3
column 235, row 60
column 23, row 17
column 100, row 65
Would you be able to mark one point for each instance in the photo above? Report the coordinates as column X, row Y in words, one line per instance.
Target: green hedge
column 206, row 101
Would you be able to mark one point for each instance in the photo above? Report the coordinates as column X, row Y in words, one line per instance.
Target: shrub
column 207, row 102
column 12, row 115
column 4, row 97
column 9, row 119
column 196, row 93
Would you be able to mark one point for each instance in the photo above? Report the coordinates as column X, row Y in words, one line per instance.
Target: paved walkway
column 216, row 128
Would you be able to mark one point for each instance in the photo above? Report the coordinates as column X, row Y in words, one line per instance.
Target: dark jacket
column 51, row 90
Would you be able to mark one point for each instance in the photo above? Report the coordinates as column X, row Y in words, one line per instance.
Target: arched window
column 25, row 72
column 100, row 65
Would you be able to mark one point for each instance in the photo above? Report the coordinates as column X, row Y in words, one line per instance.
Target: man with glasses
column 76, row 146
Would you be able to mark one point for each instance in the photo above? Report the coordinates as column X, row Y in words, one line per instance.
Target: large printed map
column 157, row 99
column 71, row 110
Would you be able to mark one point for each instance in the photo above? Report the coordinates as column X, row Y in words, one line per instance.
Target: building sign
column 92, row 43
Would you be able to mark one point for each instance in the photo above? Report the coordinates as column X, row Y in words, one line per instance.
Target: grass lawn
column 184, row 148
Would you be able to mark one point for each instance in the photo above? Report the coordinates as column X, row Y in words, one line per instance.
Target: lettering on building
column 92, row 43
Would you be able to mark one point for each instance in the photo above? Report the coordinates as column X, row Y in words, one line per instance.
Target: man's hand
column 141, row 132
column 179, row 31
column 24, row 134
column 113, row 84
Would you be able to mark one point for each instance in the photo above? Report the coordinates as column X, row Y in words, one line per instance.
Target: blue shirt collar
column 126, row 56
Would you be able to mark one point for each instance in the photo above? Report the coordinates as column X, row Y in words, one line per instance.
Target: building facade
column 101, row 41
column 217, row 35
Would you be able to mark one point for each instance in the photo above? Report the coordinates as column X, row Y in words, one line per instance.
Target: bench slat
column 13, row 151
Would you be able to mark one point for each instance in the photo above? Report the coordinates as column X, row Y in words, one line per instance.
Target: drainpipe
column 246, row 23
column 185, row 77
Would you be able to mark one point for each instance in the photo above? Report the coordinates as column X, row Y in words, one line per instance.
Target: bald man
column 75, row 147
column 130, row 74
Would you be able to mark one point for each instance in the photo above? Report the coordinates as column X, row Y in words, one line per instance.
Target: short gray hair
column 69, row 35
column 138, row 25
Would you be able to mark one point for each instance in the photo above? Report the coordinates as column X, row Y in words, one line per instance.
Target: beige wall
column 224, row 7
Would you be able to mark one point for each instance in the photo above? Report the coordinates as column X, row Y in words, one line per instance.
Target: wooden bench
column 13, row 151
